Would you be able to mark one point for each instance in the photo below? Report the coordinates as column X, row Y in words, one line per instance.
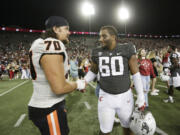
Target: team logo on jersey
column 99, row 53
column 100, row 98
column 145, row 127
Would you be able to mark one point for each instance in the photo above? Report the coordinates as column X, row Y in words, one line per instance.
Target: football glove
column 140, row 102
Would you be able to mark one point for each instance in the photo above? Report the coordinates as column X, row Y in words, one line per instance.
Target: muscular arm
column 54, row 70
column 133, row 64
column 92, row 73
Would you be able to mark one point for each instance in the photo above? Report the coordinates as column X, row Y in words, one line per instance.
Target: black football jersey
column 176, row 70
column 113, row 67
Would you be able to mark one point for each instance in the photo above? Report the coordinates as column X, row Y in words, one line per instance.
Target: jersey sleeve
column 174, row 58
column 48, row 46
column 52, row 46
column 132, row 50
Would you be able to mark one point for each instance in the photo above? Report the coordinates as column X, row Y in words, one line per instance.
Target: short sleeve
column 48, row 46
column 52, row 46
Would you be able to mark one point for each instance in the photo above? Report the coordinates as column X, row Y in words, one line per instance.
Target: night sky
column 146, row 16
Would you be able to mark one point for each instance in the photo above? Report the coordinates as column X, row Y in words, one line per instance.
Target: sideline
column 13, row 88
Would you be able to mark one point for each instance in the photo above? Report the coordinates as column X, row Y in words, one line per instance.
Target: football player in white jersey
column 114, row 61
column 49, row 65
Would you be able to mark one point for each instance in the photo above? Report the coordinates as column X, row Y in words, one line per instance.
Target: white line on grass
column 87, row 105
column 161, row 132
column 92, row 85
column 162, row 86
column 21, row 118
column 13, row 88
column 158, row 130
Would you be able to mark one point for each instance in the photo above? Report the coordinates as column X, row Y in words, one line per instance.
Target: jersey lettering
column 55, row 43
column 116, row 66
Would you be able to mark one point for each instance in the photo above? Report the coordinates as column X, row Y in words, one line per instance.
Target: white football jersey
column 43, row 96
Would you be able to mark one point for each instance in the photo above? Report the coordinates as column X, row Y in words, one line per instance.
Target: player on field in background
column 49, row 65
column 113, row 61
column 178, row 53
column 166, row 63
column 174, row 81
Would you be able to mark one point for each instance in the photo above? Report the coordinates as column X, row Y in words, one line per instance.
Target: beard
column 65, row 41
column 107, row 44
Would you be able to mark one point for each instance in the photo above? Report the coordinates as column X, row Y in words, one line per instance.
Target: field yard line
column 87, row 105
column 13, row 88
column 21, row 118
column 92, row 85
column 162, row 86
column 161, row 132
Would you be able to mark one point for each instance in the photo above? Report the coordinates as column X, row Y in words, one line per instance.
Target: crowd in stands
column 14, row 51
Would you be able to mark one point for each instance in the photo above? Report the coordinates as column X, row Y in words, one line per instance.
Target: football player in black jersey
column 175, row 73
column 114, row 62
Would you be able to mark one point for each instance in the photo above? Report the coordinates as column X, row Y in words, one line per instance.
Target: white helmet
column 142, row 123
column 164, row 77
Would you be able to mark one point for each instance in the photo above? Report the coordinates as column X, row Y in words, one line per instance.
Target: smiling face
column 106, row 39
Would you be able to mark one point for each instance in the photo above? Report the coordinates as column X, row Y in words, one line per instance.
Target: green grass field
column 82, row 121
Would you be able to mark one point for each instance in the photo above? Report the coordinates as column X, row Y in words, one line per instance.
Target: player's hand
column 142, row 107
column 81, row 84
column 82, row 91
column 140, row 102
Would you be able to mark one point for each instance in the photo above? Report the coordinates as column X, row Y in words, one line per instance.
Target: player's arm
column 92, row 73
column 133, row 64
column 54, row 70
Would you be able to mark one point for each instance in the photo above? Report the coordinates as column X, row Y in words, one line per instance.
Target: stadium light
column 88, row 9
column 123, row 14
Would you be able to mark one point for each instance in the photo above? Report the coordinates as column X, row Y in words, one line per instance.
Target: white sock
column 170, row 97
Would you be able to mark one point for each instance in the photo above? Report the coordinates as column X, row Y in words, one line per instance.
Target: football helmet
column 164, row 77
column 142, row 123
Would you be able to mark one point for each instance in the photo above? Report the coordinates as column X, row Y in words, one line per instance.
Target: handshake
column 81, row 85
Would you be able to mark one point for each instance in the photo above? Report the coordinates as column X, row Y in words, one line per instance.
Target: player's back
column 174, row 58
column 42, row 94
